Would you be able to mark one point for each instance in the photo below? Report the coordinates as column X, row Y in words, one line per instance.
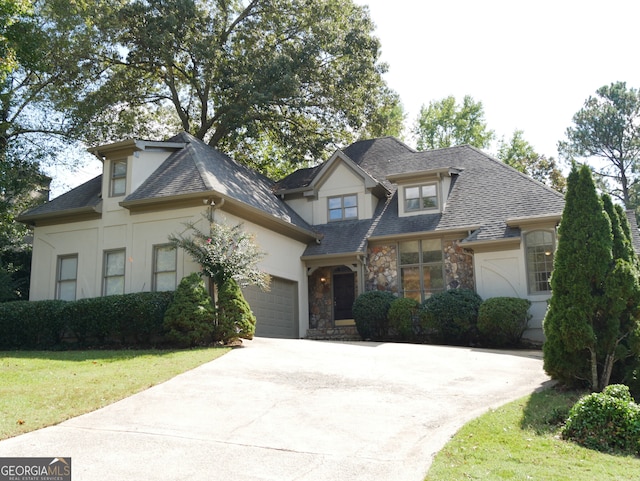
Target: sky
column 532, row 64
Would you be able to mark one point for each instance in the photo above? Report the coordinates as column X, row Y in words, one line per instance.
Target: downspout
column 213, row 207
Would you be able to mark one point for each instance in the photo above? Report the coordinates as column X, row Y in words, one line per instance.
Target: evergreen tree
column 592, row 321
column 581, row 264
column 189, row 319
column 235, row 318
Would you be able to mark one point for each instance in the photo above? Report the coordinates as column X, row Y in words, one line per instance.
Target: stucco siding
column 503, row 274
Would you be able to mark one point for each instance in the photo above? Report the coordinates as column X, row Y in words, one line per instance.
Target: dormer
column 423, row 192
column 128, row 163
column 335, row 191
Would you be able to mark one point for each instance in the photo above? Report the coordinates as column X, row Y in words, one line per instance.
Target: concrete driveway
column 287, row 410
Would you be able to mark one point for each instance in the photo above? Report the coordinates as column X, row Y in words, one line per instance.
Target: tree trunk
column 609, row 360
column 594, row 369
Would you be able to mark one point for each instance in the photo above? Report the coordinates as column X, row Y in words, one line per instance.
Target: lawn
column 521, row 441
column 44, row 388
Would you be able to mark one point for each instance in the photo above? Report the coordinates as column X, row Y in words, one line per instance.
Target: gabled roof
column 369, row 155
column 308, row 181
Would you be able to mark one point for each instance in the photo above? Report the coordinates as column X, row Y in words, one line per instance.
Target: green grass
column 521, row 441
column 40, row 389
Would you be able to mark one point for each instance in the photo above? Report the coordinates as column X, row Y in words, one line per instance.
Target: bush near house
column 608, row 421
column 403, row 317
column 128, row 320
column 235, row 318
column 190, row 318
column 502, row 321
column 370, row 311
column 451, row 317
column 456, row 317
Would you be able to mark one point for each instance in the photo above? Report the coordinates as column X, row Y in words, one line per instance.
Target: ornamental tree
column 228, row 256
column 224, row 252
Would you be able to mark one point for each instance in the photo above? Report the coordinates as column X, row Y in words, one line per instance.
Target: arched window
column 540, row 246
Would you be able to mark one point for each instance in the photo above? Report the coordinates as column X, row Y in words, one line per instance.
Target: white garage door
column 276, row 310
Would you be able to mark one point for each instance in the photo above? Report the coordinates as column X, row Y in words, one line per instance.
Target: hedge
column 128, row 320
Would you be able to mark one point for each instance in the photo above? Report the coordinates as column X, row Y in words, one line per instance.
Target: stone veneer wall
column 320, row 298
column 321, row 324
column 381, row 273
column 458, row 266
column 382, row 268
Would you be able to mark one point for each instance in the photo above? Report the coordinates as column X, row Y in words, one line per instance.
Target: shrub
column 401, row 316
column 451, row 316
column 31, row 325
column 141, row 317
column 502, row 320
column 91, row 320
column 189, row 319
column 608, row 421
column 235, row 318
column 370, row 313
column 128, row 319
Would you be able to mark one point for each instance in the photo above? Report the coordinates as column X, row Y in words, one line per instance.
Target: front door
column 343, row 295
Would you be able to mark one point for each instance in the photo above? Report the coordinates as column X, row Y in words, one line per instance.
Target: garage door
column 276, row 310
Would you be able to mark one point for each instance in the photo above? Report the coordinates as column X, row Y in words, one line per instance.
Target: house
column 375, row 215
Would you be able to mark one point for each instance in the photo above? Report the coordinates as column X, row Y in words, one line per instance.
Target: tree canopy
column 444, row 123
column 606, row 135
column 283, row 76
column 520, row 154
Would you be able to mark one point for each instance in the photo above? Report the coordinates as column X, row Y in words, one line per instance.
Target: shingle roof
column 195, row 168
column 635, row 234
column 371, row 155
column 201, row 168
column 486, row 193
column 85, row 197
column 482, row 197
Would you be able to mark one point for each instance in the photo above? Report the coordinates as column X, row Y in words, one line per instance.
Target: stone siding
column 382, row 269
column 320, row 299
column 321, row 324
column 458, row 266
column 381, row 273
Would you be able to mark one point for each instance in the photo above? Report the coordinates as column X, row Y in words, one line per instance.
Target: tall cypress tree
column 619, row 328
column 582, row 262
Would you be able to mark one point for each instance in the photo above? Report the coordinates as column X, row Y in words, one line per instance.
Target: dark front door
column 343, row 295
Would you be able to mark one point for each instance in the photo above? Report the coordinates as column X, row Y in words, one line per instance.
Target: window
column 539, row 248
column 118, row 177
column 113, row 282
column 421, row 197
column 421, row 268
column 343, row 208
column 164, row 268
column 67, row 278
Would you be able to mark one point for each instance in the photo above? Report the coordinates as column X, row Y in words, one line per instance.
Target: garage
column 276, row 310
